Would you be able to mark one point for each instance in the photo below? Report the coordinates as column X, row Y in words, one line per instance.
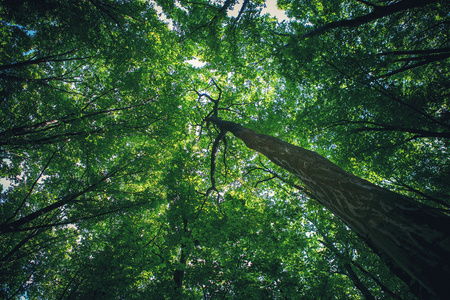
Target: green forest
column 206, row 149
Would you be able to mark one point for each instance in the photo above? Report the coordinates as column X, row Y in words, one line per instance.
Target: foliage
column 106, row 155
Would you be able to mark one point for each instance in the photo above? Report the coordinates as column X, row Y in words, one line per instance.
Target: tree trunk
column 414, row 236
column 344, row 262
column 358, row 284
column 179, row 273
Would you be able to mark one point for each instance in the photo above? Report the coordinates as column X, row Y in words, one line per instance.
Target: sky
column 4, row 181
column 271, row 8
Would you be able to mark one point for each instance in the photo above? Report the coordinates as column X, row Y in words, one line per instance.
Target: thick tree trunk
column 414, row 236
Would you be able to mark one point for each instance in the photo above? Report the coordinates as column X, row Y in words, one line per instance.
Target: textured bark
column 414, row 236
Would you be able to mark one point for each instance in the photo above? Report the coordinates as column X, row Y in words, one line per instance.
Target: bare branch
column 213, row 157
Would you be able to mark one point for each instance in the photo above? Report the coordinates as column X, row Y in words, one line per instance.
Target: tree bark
column 414, row 236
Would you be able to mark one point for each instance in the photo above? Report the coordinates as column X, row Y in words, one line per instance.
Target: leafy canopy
column 106, row 155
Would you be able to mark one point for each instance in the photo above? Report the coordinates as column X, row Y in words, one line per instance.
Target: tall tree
column 415, row 236
column 309, row 49
column 106, row 157
column 78, row 98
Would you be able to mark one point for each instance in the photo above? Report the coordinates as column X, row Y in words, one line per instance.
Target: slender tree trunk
column 359, row 285
column 179, row 273
column 384, row 288
column 345, row 261
column 414, row 236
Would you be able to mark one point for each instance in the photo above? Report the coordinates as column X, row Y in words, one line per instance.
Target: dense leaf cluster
column 105, row 150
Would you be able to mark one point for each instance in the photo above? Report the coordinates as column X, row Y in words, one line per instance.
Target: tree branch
column 32, row 187
column 15, row 226
column 377, row 13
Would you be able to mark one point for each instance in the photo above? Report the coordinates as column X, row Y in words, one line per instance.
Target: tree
column 404, row 83
column 418, row 131
column 77, row 99
column 120, row 183
column 413, row 235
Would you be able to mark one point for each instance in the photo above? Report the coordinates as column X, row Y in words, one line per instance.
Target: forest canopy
column 119, row 182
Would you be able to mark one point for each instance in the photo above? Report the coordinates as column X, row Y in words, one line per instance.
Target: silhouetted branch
column 377, row 13
column 32, row 187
